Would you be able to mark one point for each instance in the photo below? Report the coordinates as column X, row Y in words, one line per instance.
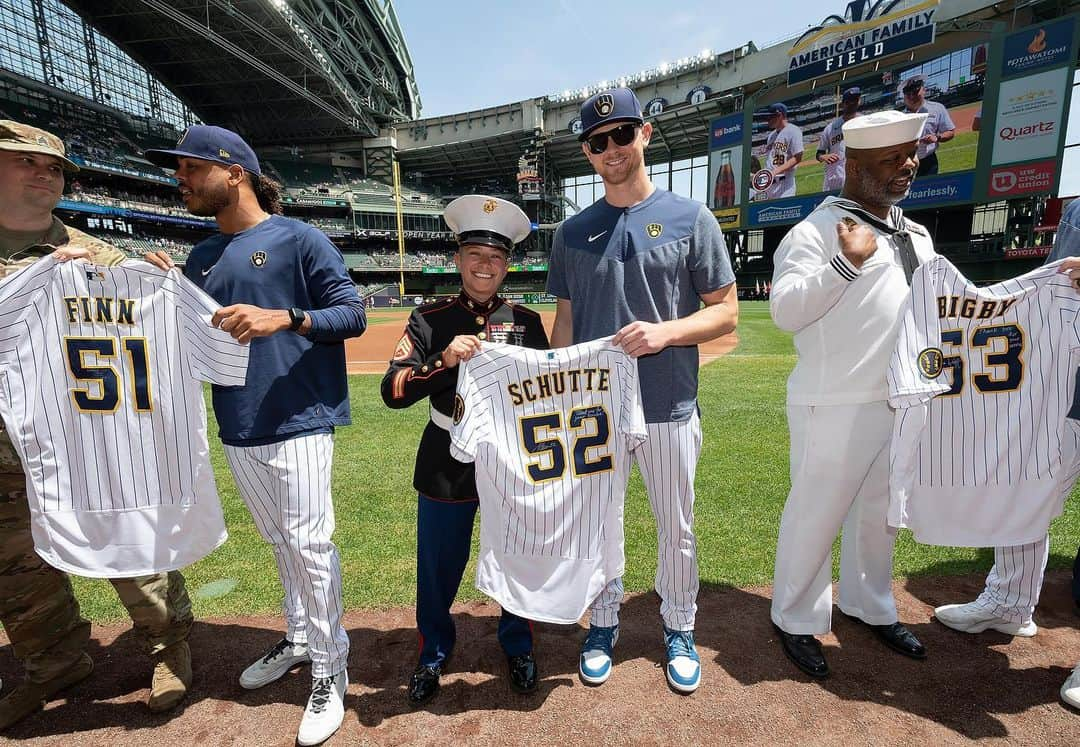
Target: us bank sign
column 866, row 32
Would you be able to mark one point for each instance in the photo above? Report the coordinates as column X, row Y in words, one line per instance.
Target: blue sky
column 470, row 54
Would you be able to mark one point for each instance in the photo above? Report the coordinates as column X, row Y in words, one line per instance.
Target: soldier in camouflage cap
column 37, row 607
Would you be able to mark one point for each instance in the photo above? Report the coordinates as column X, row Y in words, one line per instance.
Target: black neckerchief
column 898, row 230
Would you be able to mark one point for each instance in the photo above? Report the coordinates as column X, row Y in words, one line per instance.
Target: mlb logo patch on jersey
column 654, row 230
column 931, row 362
column 258, row 259
column 95, row 275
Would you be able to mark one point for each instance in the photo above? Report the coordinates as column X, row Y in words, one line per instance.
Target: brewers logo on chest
column 654, row 230
column 258, row 259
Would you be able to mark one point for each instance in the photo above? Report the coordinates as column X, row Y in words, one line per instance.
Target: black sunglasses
column 622, row 135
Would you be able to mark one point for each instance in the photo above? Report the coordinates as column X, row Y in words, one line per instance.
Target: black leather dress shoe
column 900, row 639
column 523, row 676
column 805, row 652
column 424, row 684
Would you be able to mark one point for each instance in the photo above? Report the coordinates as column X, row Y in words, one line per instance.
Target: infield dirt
column 986, row 686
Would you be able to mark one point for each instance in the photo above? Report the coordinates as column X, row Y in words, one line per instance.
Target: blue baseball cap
column 853, row 93
column 208, row 143
column 778, row 108
column 612, row 105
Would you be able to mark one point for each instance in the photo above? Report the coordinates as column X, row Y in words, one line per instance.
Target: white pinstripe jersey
column 100, row 371
column 982, row 378
column 551, row 433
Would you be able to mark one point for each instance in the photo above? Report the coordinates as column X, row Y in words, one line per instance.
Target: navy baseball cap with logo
column 778, row 108
column 612, row 105
column 853, row 93
column 208, row 143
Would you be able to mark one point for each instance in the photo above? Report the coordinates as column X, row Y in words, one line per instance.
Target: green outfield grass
column 742, row 482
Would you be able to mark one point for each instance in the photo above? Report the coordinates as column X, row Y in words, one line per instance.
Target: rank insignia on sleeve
column 404, row 348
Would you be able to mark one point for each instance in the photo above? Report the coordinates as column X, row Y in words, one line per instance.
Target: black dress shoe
column 805, row 652
column 424, row 684
column 900, row 639
column 522, row 672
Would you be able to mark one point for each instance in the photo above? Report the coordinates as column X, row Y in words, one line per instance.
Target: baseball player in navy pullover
column 284, row 288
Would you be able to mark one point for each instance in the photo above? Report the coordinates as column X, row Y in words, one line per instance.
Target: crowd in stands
column 332, row 224
column 138, row 245
column 135, row 198
column 114, row 145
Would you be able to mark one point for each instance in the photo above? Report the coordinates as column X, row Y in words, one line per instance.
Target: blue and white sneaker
column 683, row 667
column 594, row 666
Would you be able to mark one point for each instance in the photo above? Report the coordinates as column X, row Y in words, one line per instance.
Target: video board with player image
column 797, row 146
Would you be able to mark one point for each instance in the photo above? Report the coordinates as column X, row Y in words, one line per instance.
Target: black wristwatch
column 296, row 318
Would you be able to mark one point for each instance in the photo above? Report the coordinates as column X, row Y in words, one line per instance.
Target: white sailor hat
column 882, row 129
column 478, row 219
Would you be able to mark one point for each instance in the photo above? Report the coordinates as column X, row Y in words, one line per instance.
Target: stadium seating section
column 358, row 213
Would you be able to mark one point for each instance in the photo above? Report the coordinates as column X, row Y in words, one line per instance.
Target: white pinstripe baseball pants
column 668, row 462
column 839, row 477
column 1015, row 582
column 286, row 486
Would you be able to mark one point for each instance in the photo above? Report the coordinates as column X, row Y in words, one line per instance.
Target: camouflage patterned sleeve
column 101, row 252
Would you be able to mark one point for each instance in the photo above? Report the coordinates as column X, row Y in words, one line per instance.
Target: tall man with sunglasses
column 639, row 264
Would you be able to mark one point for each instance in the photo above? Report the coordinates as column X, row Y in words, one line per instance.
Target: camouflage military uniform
column 37, row 606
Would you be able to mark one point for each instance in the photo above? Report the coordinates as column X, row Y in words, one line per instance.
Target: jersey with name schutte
column 551, row 433
column 982, row 379
column 100, row 371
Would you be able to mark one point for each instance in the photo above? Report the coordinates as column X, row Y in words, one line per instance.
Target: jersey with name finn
column 650, row 263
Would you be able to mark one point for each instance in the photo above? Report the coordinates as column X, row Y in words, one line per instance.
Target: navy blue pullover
column 295, row 383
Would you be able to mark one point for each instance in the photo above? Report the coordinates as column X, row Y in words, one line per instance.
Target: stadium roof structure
column 282, row 72
column 487, row 143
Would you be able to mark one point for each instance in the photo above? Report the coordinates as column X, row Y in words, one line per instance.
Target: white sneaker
column 1070, row 691
column 972, row 618
column 325, row 709
column 594, row 664
column 274, row 664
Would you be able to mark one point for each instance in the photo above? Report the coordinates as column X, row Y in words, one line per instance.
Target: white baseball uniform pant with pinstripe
column 668, row 462
column 1015, row 582
column 839, row 477
column 286, row 486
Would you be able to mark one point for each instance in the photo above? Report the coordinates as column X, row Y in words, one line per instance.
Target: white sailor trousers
column 839, row 478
